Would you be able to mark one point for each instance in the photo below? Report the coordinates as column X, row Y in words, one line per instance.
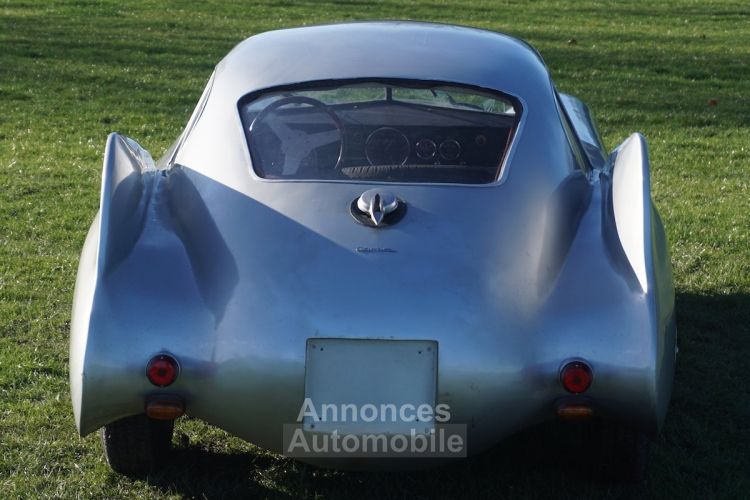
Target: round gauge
column 426, row 149
column 387, row 146
column 449, row 149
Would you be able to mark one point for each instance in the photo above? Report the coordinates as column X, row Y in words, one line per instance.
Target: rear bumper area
column 492, row 394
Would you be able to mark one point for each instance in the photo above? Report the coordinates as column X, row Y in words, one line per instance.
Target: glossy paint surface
column 233, row 275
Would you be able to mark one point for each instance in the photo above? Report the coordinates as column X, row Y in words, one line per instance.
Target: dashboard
column 423, row 145
column 422, row 136
column 297, row 137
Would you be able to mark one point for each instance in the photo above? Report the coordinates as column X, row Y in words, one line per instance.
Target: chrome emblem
column 377, row 208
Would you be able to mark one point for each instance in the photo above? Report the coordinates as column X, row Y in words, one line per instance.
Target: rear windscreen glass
column 379, row 132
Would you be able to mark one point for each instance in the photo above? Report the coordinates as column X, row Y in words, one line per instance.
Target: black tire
column 620, row 452
column 136, row 445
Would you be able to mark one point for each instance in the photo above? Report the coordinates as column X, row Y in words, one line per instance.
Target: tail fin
column 124, row 198
column 631, row 203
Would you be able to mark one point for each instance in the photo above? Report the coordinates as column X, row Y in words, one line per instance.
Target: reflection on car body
column 345, row 225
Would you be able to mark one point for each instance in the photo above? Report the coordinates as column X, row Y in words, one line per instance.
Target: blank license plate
column 349, row 382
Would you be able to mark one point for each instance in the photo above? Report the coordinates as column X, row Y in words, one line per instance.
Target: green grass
column 70, row 72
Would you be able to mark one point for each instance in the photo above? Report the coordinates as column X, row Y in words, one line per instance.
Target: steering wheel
column 299, row 143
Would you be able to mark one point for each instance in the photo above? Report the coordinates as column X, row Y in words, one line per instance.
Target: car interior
column 385, row 132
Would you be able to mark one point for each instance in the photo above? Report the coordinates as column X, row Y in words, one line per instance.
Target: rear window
column 385, row 132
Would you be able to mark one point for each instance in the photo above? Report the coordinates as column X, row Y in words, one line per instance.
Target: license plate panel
column 361, row 373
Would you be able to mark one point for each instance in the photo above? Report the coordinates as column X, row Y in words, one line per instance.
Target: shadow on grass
column 696, row 452
column 194, row 472
column 542, row 462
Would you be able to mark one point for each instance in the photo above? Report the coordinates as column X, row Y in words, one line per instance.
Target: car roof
column 383, row 50
column 214, row 142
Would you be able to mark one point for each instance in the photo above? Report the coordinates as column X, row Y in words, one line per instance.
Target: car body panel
column 586, row 131
column 233, row 274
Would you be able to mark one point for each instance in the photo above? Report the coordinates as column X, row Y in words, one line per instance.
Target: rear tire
column 136, row 445
column 621, row 453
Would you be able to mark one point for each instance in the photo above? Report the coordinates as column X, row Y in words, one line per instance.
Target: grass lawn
column 70, row 72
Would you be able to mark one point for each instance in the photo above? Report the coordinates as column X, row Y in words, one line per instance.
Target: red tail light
column 576, row 377
column 162, row 370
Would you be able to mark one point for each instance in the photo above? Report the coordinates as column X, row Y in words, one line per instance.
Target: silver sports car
column 376, row 244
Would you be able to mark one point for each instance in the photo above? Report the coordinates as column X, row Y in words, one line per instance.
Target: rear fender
column 128, row 177
column 641, row 236
column 611, row 302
